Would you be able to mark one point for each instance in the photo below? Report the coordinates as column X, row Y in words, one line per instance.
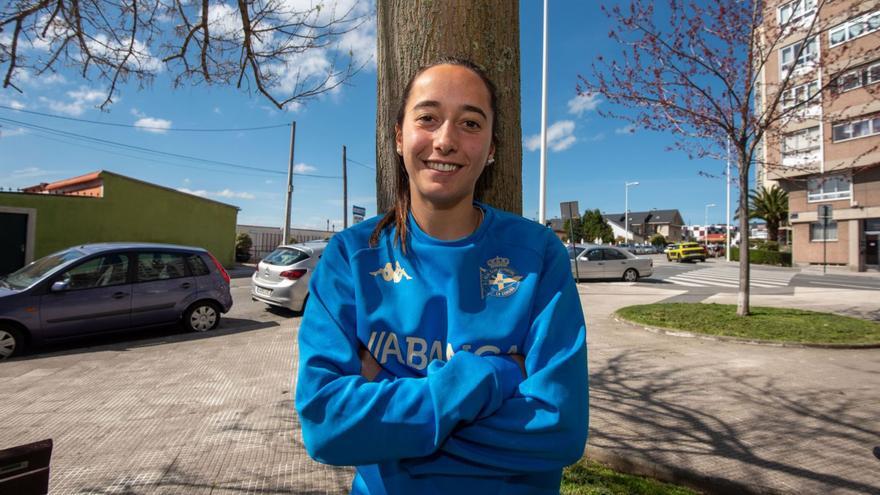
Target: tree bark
column 414, row 33
column 742, row 300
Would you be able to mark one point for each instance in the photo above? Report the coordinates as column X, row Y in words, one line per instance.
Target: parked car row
column 101, row 288
column 641, row 248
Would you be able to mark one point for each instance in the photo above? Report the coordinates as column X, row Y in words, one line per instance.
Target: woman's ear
column 398, row 140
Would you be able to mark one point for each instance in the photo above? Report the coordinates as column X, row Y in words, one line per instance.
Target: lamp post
column 706, row 224
column 626, row 209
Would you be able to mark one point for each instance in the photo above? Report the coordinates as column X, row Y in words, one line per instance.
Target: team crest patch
column 500, row 279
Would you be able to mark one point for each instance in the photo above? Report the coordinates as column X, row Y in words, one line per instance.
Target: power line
column 144, row 127
column 142, row 149
column 361, row 164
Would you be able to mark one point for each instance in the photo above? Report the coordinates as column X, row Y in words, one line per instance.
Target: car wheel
column 201, row 317
column 630, row 275
column 11, row 342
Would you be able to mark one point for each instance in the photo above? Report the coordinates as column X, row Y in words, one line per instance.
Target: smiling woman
column 444, row 345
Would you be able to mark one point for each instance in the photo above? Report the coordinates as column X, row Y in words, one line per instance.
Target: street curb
column 634, row 464
column 736, row 340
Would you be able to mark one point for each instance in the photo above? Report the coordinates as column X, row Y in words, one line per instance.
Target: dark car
column 99, row 288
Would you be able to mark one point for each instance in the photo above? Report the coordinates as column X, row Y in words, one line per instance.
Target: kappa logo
column 500, row 279
column 389, row 274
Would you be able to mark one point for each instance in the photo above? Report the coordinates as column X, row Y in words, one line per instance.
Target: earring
column 490, row 161
column 399, row 151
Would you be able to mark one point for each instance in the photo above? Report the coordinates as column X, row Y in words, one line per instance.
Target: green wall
column 130, row 211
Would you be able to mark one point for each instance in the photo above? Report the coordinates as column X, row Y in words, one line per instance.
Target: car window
column 160, row 266
column 285, row 256
column 594, row 255
column 613, row 254
column 197, row 265
column 29, row 274
column 103, row 271
column 574, row 252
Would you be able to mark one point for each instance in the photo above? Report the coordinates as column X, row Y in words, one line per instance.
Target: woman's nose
column 445, row 138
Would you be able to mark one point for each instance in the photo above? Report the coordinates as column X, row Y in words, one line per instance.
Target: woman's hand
column 369, row 367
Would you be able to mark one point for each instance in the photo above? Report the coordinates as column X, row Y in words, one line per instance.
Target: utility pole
column 727, row 247
column 286, row 232
column 344, row 190
column 542, row 214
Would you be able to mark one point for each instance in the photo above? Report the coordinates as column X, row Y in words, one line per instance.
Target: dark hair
column 399, row 213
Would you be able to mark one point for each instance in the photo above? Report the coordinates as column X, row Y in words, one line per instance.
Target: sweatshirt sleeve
column 347, row 420
column 544, row 426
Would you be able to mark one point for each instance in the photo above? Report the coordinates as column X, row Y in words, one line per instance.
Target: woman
column 443, row 346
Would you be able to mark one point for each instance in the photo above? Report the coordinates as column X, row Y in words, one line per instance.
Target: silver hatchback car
column 282, row 277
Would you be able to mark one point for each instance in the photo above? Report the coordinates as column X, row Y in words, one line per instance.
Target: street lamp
column 706, row 224
column 626, row 209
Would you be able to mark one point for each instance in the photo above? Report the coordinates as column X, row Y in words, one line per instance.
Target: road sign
column 569, row 210
column 357, row 213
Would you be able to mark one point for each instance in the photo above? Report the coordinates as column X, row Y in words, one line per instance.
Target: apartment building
column 825, row 71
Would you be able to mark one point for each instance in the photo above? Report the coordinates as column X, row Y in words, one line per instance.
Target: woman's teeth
column 441, row 167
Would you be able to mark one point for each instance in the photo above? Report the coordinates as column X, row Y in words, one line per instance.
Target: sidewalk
column 729, row 418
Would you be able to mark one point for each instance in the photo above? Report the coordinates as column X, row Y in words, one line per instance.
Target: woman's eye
column 471, row 124
column 425, row 118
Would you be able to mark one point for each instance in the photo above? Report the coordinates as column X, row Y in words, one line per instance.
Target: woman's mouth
column 443, row 166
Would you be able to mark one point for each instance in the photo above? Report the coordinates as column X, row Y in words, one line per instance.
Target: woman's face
column 446, row 135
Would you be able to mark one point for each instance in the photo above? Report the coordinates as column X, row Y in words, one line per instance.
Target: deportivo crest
column 390, row 274
column 500, row 279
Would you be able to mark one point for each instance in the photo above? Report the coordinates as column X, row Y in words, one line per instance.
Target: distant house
column 105, row 207
column 644, row 224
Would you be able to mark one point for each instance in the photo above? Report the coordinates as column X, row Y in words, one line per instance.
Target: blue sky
column 589, row 159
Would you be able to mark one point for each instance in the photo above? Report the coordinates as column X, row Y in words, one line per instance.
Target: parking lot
column 161, row 411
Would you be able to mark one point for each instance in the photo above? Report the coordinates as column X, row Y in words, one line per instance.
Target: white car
column 282, row 277
column 608, row 262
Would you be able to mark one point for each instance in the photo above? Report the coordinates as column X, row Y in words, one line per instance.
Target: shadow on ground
column 758, row 433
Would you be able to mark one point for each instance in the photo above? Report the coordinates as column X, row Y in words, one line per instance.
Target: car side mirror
column 60, row 286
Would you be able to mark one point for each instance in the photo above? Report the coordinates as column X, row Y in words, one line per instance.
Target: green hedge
column 763, row 257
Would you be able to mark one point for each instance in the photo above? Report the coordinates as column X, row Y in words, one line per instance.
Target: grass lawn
column 775, row 324
column 591, row 478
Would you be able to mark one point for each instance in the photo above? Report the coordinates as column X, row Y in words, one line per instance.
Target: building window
column 793, row 55
column 799, row 95
column 857, row 78
column 801, row 146
column 854, row 28
column 829, row 188
column 816, row 229
column 855, row 129
column 796, row 11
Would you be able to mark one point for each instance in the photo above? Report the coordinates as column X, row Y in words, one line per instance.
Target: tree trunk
column 414, row 33
column 742, row 302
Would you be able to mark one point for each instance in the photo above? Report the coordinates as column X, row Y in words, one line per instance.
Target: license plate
column 263, row 292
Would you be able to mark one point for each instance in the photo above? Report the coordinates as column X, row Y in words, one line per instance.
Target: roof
column 643, row 217
column 111, row 246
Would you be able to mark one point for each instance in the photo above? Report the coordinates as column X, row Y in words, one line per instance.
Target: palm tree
column 770, row 205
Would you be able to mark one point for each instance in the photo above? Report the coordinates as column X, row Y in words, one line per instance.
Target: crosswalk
column 728, row 276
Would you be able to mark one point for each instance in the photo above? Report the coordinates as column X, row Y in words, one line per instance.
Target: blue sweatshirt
column 450, row 412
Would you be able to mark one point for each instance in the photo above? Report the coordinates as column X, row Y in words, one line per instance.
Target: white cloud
column 201, row 192
column 560, row 136
column 583, row 103
column 226, row 193
column 218, row 111
column 302, row 168
column 150, row 124
column 627, row 129
column 8, row 132
column 186, row 181
column 270, row 181
column 17, row 105
column 117, row 51
column 31, row 173
column 78, row 101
